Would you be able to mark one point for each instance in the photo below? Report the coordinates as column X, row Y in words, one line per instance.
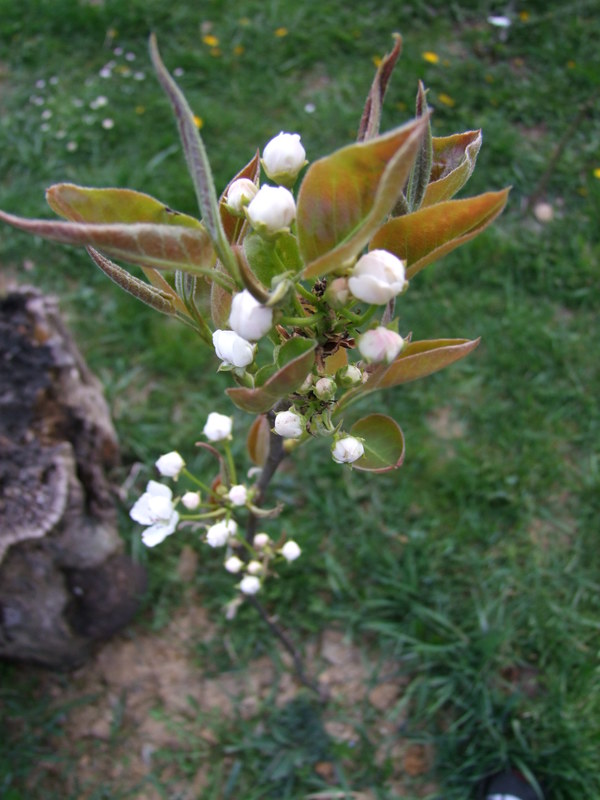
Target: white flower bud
column 325, row 389
column 290, row 551
column 348, row 376
column 261, row 540
column 170, row 465
column 289, row 424
column 249, row 584
column 238, row 494
column 219, row 534
column 380, row 344
column 240, row 193
column 249, row 318
column 283, row 158
column 218, row 427
column 254, row 568
column 191, row 500
column 377, row 277
column 232, row 349
column 347, row 449
column 234, row 564
column 272, row 211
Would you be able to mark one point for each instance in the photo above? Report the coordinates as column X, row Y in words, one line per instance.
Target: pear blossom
column 284, row 157
column 155, row 509
column 233, row 350
column 377, row 277
column 249, row 318
column 272, row 211
column 234, row 564
column 347, row 449
column 337, row 293
column 261, row 540
column 221, row 532
column 254, row 568
column 240, row 193
column 380, row 344
column 249, row 584
column 191, row 500
column 348, row 376
column 170, row 465
column 325, row 389
column 217, row 427
column 238, row 494
column 290, row 550
column 289, row 424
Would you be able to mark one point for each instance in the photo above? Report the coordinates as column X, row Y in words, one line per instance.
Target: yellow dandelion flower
column 140, row 109
column 210, row 40
column 597, row 173
column 524, row 16
column 281, row 32
column 112, row 33
column 377, row 60
column 446, row 100
column 238, row 49
column 198, row 121
column 244, row 22
column 571, row 64
column 431, row 58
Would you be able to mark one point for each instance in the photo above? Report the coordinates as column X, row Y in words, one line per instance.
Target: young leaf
column 159, row 246
column 429, row 233
column 454, row 159
column 369, row 123
column 421, row 171
column 257, row 442
column 197, row 162
column 383, row 442
column 83, row 204
column 296, row 357
column 346, row 196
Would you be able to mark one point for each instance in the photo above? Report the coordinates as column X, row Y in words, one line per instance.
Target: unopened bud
column 380, row 344
column 241, row 192
column 325, row 389
column 191, row 500
column 272, row 211
column 289, row 424
column 377, row 277
column 348, row 376
column 249, row 318
column 347, row 449
column 283, row 158
column 170, row 465
column 290, row 551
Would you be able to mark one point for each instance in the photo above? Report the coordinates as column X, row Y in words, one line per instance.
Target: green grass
column 476, row 566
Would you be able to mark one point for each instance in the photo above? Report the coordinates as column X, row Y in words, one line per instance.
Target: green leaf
column 83, row 204
column 383, row 442
column 346, row 196
column 296, row 359
column 429, row 233
column 454, row 159
column 165, row 247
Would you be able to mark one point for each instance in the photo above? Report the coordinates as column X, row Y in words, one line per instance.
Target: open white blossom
column 290, row 550
column 155, row 509
column 218, row 427
column 249, row 318
column 221, row 532
column 249, row 584
column 170, row 464
column 347, row 449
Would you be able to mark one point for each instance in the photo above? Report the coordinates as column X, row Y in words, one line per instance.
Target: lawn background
column 475, row 565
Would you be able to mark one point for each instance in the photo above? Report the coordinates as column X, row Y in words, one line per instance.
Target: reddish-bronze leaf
column 454, row 160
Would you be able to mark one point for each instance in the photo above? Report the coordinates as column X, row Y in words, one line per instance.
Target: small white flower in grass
column 178, row 72
column 272, row 211
column 72, row 146
column 499, row 21
column 254, row 568
column 108, row 124
column 155, row 509
column 310, row 108
column 284, row 157
column 232, row 349
column 118, row 51
column 221, row 532
column 240, row 193
column 53, row 80
column 139, row 76
column 377, row 277
column 46, row 114
column 191, row 500
column 170, row 464
column 218, row 427
column 238, row 494
column 234, row 564
column 261, row 540
column 249, row 584
column 99, row 102
column 105, row 72
column 380, row 344
column 249, row 318
column 347, row 449
column 290, row 551
column 289, row 424
column 40, row 84
column 130, row 56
